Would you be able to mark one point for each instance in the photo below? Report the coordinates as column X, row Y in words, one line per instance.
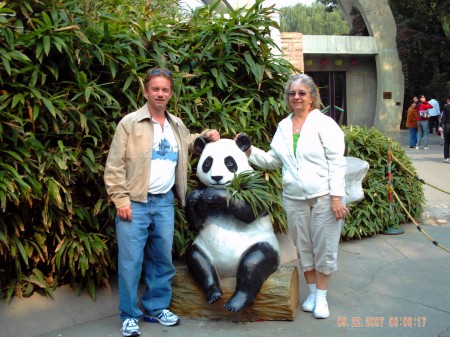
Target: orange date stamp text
column 381, row 321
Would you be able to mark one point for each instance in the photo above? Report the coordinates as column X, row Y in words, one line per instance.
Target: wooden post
column 277, row 300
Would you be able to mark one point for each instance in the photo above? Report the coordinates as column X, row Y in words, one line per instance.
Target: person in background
column 422, row 121
column 434, row 112
column 445, row 123
column 310, row 148
column 411, row 123
column 147, row 160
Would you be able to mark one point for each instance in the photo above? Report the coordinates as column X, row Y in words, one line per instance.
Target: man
column 435, row 112
column 445, row 123
column 148, row 156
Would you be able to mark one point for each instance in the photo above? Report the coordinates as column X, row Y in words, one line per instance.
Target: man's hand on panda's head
column 212, row 135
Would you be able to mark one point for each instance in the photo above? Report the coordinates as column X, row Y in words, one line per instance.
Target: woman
column 422, row 121
column 310, row 148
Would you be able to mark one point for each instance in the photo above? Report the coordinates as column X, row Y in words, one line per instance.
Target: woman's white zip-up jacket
column 318, row 166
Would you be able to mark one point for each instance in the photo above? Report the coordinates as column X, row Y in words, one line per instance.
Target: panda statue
column 232, row 241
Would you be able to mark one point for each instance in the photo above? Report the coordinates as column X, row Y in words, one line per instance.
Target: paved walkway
column 387, row 285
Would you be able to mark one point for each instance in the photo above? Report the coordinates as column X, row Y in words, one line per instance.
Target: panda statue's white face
column 220, row 161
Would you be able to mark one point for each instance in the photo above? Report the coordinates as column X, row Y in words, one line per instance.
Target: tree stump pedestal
column 278, row 299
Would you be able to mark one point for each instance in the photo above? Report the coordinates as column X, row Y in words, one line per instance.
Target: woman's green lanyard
column 296, row 136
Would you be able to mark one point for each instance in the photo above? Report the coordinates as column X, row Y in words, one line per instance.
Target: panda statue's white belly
column 224, row 239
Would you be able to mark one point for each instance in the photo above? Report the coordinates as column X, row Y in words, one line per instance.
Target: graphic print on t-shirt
column 164, row 160
column 164, row 151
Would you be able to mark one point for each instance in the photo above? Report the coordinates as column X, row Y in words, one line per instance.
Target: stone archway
column 381, row 25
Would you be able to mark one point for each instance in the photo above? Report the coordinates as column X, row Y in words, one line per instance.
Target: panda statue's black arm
column 238, row 208
column 195, row 208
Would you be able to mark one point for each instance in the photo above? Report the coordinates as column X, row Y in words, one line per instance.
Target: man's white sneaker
column 165, row 317
column 130, row 327
column 446, row 160
column 425, row 148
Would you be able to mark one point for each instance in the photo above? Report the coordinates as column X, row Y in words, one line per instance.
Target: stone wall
column 292, row 49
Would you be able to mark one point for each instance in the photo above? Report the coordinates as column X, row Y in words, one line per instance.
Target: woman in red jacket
column 422, row 121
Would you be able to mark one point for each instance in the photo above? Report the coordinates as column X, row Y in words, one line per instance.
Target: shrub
column 70, row 70
column 375, row 213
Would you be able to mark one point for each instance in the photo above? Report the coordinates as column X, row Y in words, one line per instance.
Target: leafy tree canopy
column 317, row 19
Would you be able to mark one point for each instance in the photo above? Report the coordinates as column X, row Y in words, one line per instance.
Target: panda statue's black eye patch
column 207, row 164
column 230, row 163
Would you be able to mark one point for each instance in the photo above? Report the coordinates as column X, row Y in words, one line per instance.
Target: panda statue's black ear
column 243, row 142
column 200, row 143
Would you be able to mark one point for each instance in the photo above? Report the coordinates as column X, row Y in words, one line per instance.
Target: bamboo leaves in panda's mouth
column 251, row 188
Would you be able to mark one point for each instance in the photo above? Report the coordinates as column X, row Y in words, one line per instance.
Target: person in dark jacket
column 445, row 123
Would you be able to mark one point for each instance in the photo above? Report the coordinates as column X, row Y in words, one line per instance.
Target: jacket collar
column 143, row 114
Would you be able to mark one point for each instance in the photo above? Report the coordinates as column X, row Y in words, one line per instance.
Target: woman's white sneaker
column 321, row 309
column 309, row 303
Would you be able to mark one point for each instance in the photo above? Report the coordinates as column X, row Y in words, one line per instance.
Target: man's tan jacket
column 127, row 170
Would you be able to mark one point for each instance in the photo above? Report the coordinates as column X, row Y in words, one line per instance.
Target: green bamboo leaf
column 19, row 56
column 11, row 289
column 85, row 240
column 47, row 42
column 100, row 55
column 6, row 64
column 60, row 251
column 17, row 178
column 82, row 37
column 17, row 98
column 113, row 68
column 90, row 154
column 91, row 287
column 59, row 43
column 14, row 155
column 83, row 122
column 83, row 263
column 18, row 244
column 61, row 162
column 37, row 278
column 49, row 106
column 53, row 191
column 128, row 82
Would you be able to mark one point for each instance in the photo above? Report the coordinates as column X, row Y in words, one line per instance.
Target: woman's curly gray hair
column 312, row 88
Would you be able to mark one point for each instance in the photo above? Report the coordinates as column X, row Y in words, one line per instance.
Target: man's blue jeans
column 146, row 242
column 412, row 137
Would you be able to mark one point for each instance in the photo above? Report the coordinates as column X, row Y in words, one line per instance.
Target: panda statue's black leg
column 204, row 273
column 256, row 265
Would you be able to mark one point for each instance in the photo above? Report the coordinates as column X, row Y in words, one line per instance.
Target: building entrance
column 332, row 92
